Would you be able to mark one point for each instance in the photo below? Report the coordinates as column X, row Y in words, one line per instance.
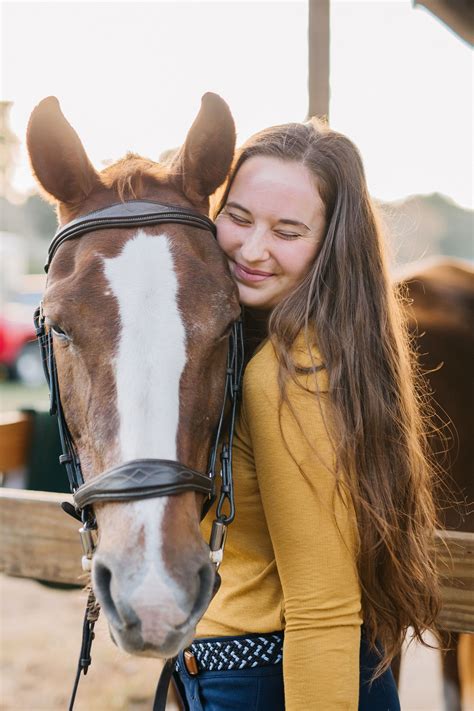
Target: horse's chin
column 131, row 641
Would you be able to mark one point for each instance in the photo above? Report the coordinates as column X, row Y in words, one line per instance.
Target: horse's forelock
column 130, row 176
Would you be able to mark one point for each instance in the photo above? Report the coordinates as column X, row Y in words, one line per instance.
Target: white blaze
column 151, row 352
column 149, row 361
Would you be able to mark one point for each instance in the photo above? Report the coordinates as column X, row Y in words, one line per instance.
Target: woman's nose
column 254, row 247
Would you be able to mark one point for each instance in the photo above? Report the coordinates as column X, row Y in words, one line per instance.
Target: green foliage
column 34, row 218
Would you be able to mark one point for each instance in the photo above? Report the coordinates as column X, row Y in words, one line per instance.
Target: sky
column 129, row 76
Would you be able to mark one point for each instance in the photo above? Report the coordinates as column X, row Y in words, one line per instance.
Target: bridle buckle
column 89, row 544
column 217, row 542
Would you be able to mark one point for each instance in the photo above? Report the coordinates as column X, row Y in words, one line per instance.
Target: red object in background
column 19, row 352
column 14, row 334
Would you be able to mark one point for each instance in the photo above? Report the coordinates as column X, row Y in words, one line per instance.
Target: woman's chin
column 252, row 300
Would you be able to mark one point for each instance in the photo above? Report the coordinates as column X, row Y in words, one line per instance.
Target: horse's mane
column 129, row 175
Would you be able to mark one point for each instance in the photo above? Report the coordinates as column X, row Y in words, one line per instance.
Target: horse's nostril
column 206, row 582
column 102, row 587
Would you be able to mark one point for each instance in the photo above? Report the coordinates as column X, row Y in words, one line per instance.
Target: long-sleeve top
column 290, row 556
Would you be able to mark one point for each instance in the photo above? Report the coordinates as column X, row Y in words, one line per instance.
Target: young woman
column 327, row 562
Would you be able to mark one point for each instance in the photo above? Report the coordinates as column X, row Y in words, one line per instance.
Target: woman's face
column 270, row 228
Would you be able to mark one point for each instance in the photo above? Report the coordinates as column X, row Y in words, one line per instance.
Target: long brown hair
column 348, row 306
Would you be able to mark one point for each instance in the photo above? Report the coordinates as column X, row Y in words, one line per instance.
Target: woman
column 327, row 562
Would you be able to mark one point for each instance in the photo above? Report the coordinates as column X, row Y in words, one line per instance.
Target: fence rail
column 38, row 540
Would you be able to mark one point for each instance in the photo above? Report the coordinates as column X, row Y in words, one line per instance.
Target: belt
column 242, row 652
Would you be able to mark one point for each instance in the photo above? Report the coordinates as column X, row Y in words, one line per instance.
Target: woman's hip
column 245, row 673
column 231, row 673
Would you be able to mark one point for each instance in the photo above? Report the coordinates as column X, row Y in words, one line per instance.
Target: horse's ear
column 58, row 159
column 202, row 163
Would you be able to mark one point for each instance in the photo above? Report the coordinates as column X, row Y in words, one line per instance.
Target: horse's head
column 140, row 318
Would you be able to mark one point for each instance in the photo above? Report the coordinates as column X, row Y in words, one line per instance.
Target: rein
column 141, row 478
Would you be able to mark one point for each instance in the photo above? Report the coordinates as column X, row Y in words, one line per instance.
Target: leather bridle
column 142, row 478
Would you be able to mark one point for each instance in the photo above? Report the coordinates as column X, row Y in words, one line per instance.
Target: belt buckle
column 190, row 662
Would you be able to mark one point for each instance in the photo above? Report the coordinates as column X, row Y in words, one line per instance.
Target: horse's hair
column 129, row 174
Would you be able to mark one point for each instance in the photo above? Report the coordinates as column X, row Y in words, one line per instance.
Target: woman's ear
column 58, row 159
column 204, row 160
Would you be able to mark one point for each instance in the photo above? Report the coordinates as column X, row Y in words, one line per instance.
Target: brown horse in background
column 441, row 318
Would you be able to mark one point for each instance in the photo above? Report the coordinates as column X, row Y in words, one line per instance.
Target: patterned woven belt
column 243, row 652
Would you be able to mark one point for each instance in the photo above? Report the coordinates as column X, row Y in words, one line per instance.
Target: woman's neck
column 255, row 329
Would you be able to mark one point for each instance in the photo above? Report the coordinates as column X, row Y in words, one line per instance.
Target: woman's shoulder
column 263, row 369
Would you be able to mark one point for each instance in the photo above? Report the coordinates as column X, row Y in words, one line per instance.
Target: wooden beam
column 38, row 540
column 455, row 561
column 457, row 14
column 15, row 434
column 318, row 58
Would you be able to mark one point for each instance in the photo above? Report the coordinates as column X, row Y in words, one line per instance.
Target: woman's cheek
column 225, row 237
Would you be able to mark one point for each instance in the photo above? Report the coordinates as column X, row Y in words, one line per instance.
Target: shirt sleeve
column 314, row 537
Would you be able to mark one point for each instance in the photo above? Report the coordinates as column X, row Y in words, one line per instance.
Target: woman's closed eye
column 246, row 222
column 287, row 235
column 238, row 219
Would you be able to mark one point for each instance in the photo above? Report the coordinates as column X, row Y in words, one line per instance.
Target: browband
column 128, row 214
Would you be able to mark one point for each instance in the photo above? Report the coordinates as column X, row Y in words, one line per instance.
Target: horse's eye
column 60, row 333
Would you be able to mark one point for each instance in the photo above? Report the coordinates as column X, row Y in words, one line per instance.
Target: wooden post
column 15, row 434
column 38, row 540
column 466, row 669
column 318, row 58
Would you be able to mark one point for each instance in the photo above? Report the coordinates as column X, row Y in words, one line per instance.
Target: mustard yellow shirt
column 289, row 560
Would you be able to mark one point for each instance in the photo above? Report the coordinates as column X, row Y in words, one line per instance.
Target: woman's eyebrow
column 239, row 207
column 294, row 222
column 282, row 219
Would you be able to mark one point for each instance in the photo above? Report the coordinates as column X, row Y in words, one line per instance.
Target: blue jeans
column 261, row 688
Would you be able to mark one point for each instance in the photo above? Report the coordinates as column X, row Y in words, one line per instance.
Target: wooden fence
column 38, row 540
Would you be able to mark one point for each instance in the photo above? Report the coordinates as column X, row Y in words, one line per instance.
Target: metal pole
column 318, row 58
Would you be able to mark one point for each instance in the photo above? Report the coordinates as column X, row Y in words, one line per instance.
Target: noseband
column 142, row 478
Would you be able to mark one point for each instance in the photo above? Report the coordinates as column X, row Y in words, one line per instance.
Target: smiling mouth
column 251, row 275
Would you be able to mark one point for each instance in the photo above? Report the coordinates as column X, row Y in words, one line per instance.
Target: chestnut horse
column 140, row 321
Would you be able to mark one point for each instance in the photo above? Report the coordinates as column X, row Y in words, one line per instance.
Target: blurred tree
column 27, row 216
column 424, row 225
column 33, row 218
column 9, row 144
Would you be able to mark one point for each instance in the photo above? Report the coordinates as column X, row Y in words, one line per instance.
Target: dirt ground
column 40, row 637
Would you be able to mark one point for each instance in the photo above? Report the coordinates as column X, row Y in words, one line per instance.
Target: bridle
column 142, row 478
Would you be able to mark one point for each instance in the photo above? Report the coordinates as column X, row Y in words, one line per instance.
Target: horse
column 440, row 318
column 138, row 318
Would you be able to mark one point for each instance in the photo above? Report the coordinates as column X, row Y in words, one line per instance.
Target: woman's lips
column 244, row 274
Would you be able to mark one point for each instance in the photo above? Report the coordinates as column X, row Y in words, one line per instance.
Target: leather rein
column 141, row 478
